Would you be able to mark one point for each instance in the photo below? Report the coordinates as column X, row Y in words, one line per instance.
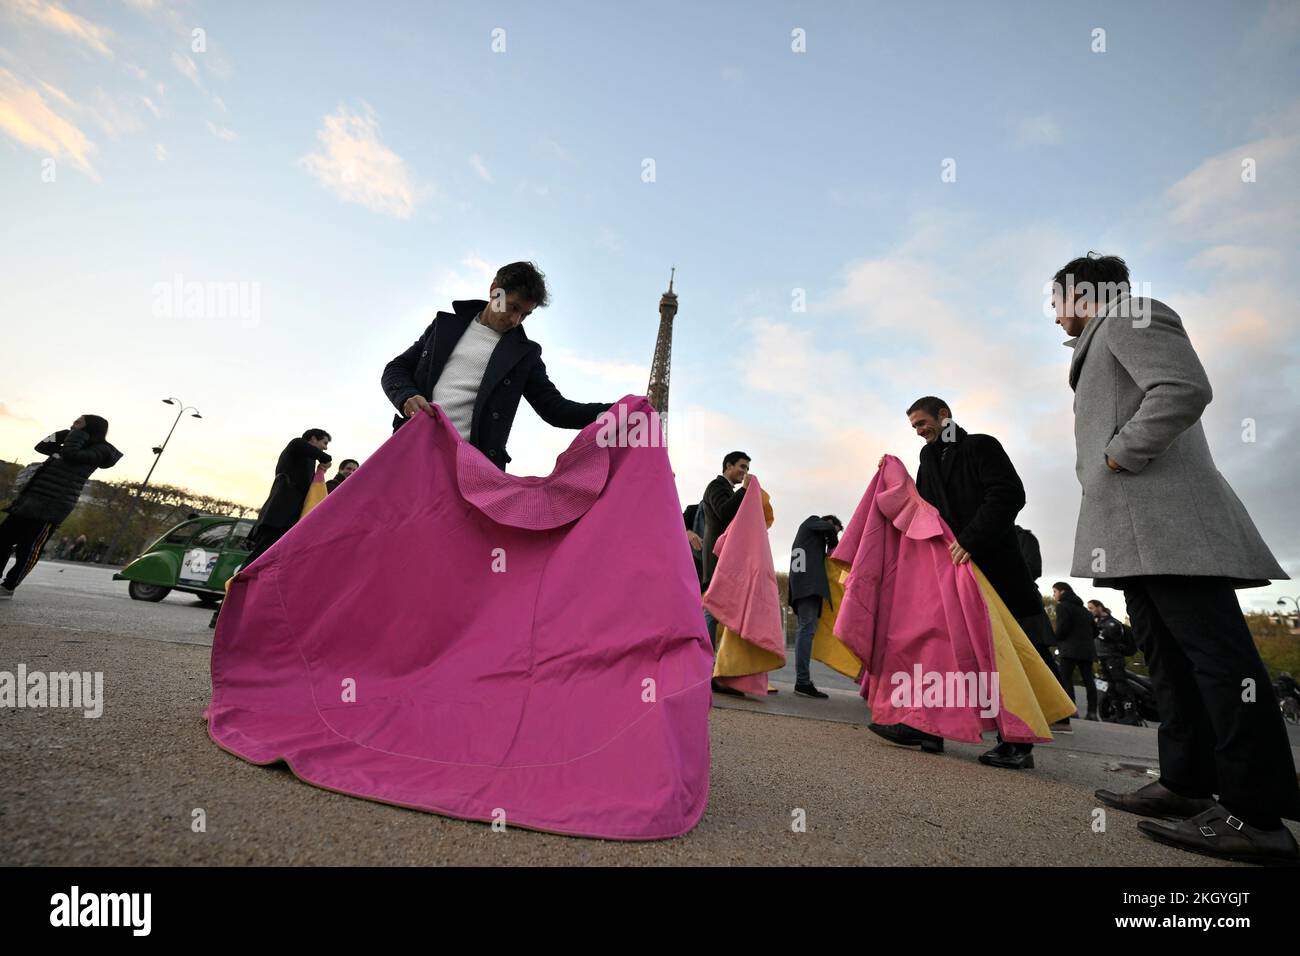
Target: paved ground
column 121, row 789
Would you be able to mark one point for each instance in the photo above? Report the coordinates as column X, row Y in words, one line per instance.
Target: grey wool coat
column 1139, row 391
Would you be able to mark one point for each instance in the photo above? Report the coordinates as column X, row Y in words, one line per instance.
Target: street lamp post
column 157, row 453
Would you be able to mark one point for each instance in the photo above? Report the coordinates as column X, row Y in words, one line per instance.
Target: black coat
column 1074, row 629
column 51, row 493
column 1030, row 551
column 720, row 504
column 813, row 541
column 693, row 518
column 294, row 471
column 977, row 491
column 514, row 371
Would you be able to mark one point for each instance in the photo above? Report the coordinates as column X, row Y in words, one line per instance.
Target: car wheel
column 147, row 592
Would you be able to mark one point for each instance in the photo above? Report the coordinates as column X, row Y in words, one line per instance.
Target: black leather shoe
column 724, row 689
column 1155, row 800
column 1216, row 832
column 1062, row 727
column 809, row 690
column 1009, row 757
column 906, row 736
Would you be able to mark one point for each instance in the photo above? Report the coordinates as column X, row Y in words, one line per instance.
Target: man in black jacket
column 475, row 363
column 51, row 494
column 974, row 486
column 1112, row 650
column 1074, row 637
column 809, row 586
column 294, row 471
column 720, row 503
column 346, row 467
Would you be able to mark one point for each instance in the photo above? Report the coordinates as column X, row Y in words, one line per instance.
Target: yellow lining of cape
column 828, row 648
column 1029, row 690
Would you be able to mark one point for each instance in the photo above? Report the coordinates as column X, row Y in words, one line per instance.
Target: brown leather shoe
column 1216, row 832
column 1155, row 800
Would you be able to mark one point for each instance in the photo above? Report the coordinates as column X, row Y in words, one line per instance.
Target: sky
column 863, row 203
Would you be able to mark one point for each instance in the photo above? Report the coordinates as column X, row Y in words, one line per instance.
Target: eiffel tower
column 657, row 390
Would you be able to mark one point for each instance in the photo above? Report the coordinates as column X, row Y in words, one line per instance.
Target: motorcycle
column 1134, row 708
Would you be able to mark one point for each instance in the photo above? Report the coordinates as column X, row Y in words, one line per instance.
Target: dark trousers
column 1069, row 665
column 1203, row 662
column 807, row 611
column 27, row 537
column 267, row 535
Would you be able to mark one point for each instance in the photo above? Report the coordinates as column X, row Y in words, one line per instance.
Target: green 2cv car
column 197, row 557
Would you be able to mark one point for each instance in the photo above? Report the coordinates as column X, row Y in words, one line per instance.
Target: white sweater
column 457, row 388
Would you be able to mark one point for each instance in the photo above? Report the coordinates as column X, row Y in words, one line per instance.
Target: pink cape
column 439, row 635
column 743, row 596
column 906, row 607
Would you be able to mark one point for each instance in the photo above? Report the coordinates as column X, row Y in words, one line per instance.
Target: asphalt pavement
column 127, row 787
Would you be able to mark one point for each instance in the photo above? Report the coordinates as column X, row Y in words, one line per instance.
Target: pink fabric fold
column 906, row 605
column 743, row 593
column 441, row 636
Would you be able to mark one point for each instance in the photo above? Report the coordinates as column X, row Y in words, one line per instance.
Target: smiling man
column 973, row 485
column 475, row 363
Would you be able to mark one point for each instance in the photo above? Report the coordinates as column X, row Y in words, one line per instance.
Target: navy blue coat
column 814, row 540
column 514, row 371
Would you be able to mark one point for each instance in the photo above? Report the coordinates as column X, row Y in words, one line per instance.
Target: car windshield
column 213, row 536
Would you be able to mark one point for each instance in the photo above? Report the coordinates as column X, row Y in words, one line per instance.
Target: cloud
column 114, row 117
column 357, row 167
column 470, row 283
column 625, row 377
column 554, row 150
column 1213, row 203
column 13, row 416
column 27, row 117
column 1040, row 130
column 54, row 17
column 187, row 68
column 477, row 162
column 221, row 132
column 160, row 152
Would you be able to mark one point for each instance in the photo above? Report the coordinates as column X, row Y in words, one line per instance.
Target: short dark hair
column 1101, row 278
column 317, row 433
column 96, row 429
column 526, row 279
column 834, row 520
column 349, row 461
column 930, row 405
column 733, row 457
